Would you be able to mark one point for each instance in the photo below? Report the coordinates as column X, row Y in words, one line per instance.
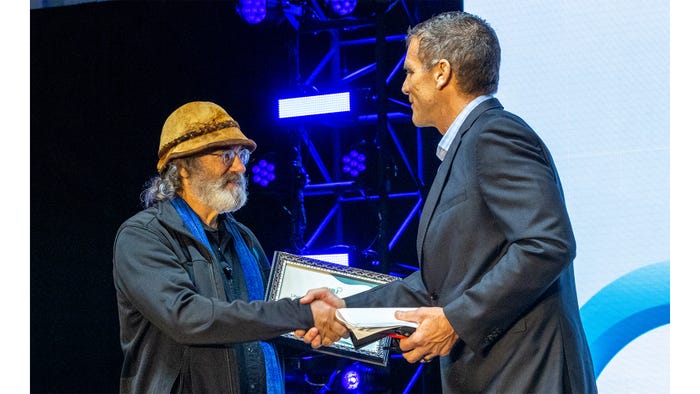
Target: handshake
column 327, row 329
column 433, row 337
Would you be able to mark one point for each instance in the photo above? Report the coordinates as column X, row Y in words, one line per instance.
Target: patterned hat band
column 201, row 130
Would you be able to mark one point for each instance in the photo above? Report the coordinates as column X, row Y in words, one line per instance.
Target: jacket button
column 434, row 296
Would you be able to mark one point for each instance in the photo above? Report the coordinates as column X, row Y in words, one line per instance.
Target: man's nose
column 237, row 166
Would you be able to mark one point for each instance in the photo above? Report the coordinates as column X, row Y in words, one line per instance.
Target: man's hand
column 324, row 294
column 434, row 336
column 328, row 327
column 327, row 330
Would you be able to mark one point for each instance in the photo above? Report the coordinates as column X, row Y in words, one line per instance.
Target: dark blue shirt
column 249, row 355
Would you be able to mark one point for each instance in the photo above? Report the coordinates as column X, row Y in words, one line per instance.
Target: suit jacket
column 495, row 248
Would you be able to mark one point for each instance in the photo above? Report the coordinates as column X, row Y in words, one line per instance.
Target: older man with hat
column 190, row 279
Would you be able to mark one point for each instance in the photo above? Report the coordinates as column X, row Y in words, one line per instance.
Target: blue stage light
column 263, row 173
column 359, row 378
column 314, row 105
column 351, row 380
column 341, row 7
column 354, row 163
column 252, row 11
column 335, row 258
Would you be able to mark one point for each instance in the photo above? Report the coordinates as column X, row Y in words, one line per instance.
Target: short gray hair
column 467, row 42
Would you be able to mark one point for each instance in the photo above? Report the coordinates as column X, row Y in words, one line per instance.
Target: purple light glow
column 353, row 163
column 341, row 7
column 263, row 173
column 351, row 380
column 253, row 11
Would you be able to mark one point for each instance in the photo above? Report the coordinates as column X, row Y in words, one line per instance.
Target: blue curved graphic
column 625, row 309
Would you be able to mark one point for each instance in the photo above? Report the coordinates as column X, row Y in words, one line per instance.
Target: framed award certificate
column 292, row 276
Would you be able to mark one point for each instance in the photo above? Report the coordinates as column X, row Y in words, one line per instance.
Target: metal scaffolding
column 362, row 53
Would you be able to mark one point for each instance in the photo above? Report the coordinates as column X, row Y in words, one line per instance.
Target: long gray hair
column 467, row 42
column 165, row 185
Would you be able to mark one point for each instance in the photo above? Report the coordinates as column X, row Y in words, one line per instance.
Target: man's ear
column 443, row 73
column 183, row 172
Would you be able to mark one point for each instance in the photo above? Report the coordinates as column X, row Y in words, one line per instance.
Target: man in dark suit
column 495, row 292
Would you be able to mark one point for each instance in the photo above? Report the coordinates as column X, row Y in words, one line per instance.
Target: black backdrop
column 103, row 78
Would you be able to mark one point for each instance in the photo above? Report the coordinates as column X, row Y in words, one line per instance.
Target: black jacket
column 176, row 326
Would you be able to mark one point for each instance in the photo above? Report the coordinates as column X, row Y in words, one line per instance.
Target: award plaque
column 292, row 276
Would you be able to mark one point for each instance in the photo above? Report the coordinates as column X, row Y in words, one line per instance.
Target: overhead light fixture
column 314, row 105
column 335, row 258
column 340, row 7
column 252, row 11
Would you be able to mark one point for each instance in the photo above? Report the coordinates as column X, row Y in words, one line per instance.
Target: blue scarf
column 253, row 280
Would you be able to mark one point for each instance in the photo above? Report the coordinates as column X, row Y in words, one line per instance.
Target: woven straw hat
column 198, row 126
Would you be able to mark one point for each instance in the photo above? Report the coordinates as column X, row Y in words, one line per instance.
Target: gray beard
column 214, row 192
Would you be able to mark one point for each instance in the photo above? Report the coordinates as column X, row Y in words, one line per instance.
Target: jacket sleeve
column 520, row 188
column 150, row 277
column 407, row 292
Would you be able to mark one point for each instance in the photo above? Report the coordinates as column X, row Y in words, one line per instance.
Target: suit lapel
column 444, row 170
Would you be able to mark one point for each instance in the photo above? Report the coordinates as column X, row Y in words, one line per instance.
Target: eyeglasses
column 228, row 156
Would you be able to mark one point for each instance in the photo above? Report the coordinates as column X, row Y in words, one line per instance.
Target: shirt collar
column 451, row 133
